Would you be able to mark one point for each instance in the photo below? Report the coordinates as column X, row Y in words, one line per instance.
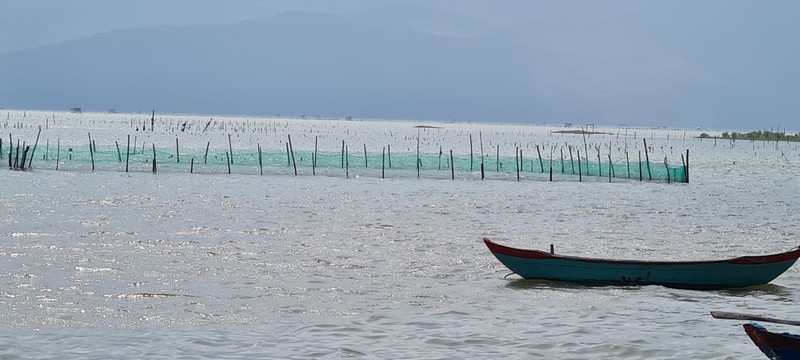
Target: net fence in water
column 378, row 164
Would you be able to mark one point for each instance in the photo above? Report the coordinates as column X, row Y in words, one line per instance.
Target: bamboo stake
column 640, row 165
column 260, row 162
column 497, row 158
column 91, row 152
column 440, row 156
column 288, row 155
column 470, row 152
column 541, row 164
column 687, row 165
column 127, row 153
column 452, row 167
column 205, row 157
column 628, row 161
column 599, row 165
column 292, row 151
column 24, row 156
column 647, row 157
column 230, row 148
column 571, row 162
column 417, row 153
column 314, row 158
column 30, row 162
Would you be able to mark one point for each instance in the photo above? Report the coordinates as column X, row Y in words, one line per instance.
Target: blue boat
column 777, row 346
column 702, row 275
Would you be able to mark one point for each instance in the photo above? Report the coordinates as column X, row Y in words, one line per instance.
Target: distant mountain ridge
column 292, row 63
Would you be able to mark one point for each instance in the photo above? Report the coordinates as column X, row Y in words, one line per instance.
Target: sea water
column 129, row 265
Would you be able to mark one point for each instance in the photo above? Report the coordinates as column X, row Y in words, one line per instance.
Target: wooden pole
column 551, row 164
column 541, row 164
column 177, row 151
column 127, row 153
column 24, row 156
column 155, row 163
column 440, row 156
column 205, row 157
column 30, row 162
column 666, row 165
column 580, row 169
column 516, row 161
column 610, row 168
column 230, row 148
column 687, row 166
column 16, row 156
column 418, row 153
column 366, row 164
column 452, row 168
column 343, row 146
column 288, row 156
column 647, row 158
column 260, row 161
column 389, row 154
column 346, row 163
column 314, row 164
column 470, row 152
column 497, row 158
column 571, row 163
column 228, row 161
column 191, row 167
column 599, row 164
column 383, row 163
column 628, row 161
column 640, row 165
column 480, row 137
column 10, row 151
column 292, row 151
column 119, row 154
column 91, row 152
column 58, row 152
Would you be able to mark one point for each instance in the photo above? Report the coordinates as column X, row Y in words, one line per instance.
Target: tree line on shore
column 756, row 135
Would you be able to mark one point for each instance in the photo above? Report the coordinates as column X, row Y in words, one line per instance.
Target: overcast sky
column 683, row 63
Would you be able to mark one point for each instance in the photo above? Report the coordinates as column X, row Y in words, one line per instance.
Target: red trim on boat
column 743, row 260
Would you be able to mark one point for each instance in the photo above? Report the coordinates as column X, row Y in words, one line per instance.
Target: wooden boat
column 776, row 346
column 713, row 274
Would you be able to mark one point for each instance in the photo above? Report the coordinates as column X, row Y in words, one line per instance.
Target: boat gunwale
column 791, row 255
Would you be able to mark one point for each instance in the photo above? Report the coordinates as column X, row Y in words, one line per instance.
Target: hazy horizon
column 680, row 64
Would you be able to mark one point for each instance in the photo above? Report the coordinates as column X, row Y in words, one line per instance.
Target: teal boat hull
column 713, row 274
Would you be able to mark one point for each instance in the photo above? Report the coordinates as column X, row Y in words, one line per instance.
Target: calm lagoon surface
column 346, row 264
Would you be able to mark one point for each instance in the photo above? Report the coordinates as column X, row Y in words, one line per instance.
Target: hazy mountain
column 292, row 63
column 724, row 64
